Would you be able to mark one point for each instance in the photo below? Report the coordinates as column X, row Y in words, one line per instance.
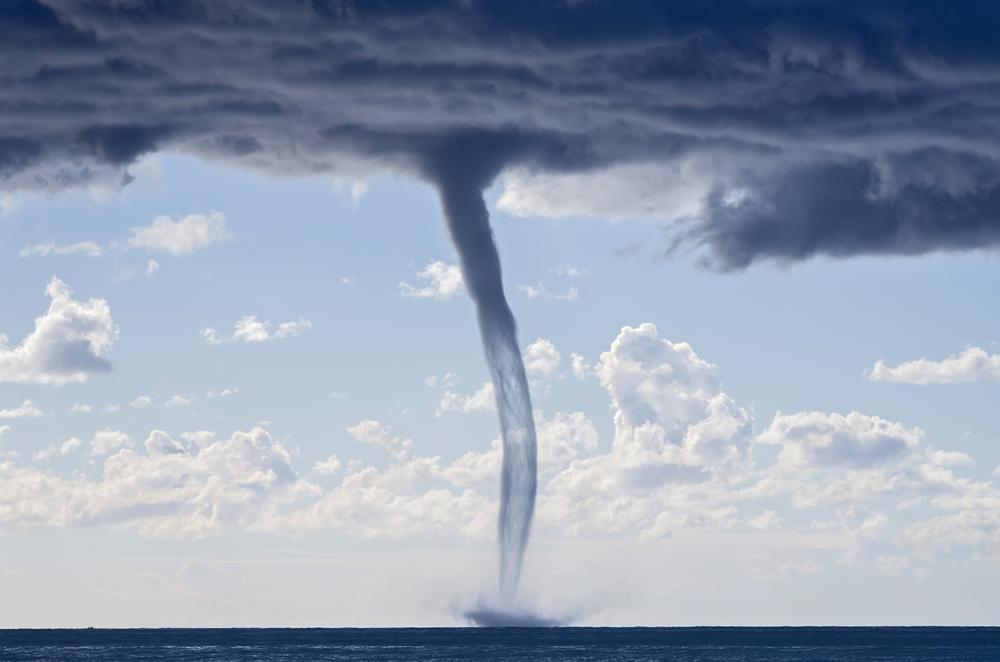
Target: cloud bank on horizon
column 773, row 131
column 684, row 456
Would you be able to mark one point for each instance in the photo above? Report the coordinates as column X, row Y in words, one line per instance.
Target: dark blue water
column 676, row 644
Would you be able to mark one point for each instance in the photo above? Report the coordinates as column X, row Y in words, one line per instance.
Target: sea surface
column 872, row 644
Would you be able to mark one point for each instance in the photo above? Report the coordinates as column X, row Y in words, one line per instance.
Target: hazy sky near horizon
column 751, row 254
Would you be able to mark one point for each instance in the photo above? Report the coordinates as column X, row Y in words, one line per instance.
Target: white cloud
column 355, row 189
column 536, row 291
column 581, row 366
column 541, row 357
column 447, row 380
column 828, row 458
column 971, row 365
column 327, row 467
column 975, row 528
column 141, row 402
column 222, row 393
column 950, row 459
column 152, row 266
column 69, row 343
column 443, row 282
column 680, row 445
column 660, row 191
column 178, row 401
column 253, row 330
column 108, row 441
column 531, row 291
column 817, row 439
column 683, row 458
column 78, row 408
column 26, row 410
column 654, row 380
column 63, row 449
column 70, row 445
column 191, row 487
column 10, row 204
column 375, row 434
column 47, row 248
column 572, row 294
column 570, row 271
column 183, row 236
column 211, row 336
column 292, row 329
column 483, row 399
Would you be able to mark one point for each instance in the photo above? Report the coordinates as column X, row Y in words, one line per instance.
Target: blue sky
column 757, row 542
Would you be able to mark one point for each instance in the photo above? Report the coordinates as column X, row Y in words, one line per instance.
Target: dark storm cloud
column 835, row 128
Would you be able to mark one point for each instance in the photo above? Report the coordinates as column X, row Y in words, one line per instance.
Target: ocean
column 871, row 644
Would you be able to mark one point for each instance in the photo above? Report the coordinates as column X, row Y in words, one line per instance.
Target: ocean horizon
column 711, row 643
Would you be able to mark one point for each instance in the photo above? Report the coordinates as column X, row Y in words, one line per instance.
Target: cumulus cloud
column 253, row 330
column 944, row 458
column 810, row 439
column 375, row 434
column 69, row 343
column 181, row 237
column 291, row 329
column 141, row 402
column 79, row 408
column 679, row 444
column 684, row 457
column 541, row 358
column 447, row 380
column 652, row 379
column 193, row 486
column 581, row 366
column 570, row 271
column 26, row 410
column 829, row 458
column 62, row 450
column 972, row 364
column 778, row 132
column 178, row 401
column 47, row 248
column 483, row 399
column 211, row 336
column 107, row 441
column 443, row 282
column 540, row 291
column 328, row 467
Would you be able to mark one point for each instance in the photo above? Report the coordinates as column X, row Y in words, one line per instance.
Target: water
column 668, row 644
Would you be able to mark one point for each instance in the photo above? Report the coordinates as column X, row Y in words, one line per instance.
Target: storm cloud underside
column 825, row 128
